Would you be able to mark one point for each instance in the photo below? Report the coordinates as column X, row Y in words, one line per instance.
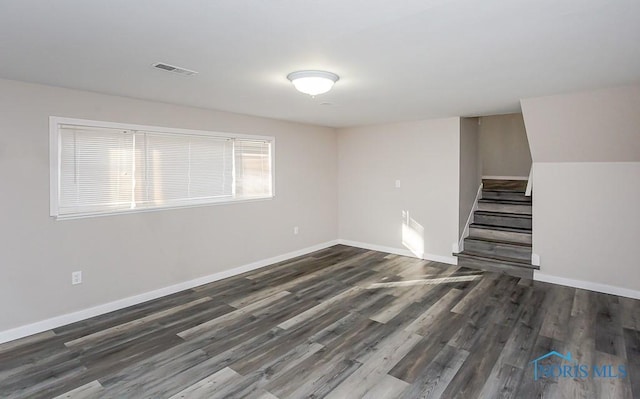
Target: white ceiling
column 397, row 59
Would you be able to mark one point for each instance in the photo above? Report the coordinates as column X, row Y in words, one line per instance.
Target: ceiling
column 398, row 60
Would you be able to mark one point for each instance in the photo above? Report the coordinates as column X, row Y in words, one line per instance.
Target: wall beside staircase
column 424, row 156
column 587, row 221
column 595, row 126
column 470, row 169
column 586, row 188
column 503, row 145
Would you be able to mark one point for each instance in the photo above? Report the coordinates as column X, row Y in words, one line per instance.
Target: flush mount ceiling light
column 313, row 82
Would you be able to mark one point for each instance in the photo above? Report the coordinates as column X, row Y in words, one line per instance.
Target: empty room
column 319, row 199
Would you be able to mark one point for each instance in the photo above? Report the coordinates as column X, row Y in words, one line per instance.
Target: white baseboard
column 58, row 321
column 587, row 285
column 451, row 260
column 506, row 177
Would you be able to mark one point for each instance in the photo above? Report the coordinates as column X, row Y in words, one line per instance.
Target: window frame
column 55, row 150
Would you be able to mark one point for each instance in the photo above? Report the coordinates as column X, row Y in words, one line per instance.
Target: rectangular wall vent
column 174, row 69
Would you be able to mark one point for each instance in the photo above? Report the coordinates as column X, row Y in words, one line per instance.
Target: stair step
column 504, row 265
column 505, row 185
column 500, row 233
column 500, row 248
column 505, row 214
column 504, row 190
column 500, row 228
column 520, row 244
column 505, row 195
column 504, row 201
column 503, row 219
column 501, row 259
column 507, row 206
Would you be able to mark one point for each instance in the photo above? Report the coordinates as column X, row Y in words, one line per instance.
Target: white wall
column 585, row 190
column 504, row 149
column 593, row 126
column 424, row 156
column 470, row 169
column 125, row 255
column 586, row 223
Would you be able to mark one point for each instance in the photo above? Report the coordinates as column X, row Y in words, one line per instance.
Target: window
column 103, row 168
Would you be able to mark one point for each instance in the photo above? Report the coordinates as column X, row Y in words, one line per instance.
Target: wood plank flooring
column 338, row 323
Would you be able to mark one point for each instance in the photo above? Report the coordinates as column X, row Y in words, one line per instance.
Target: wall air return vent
column 174, row 69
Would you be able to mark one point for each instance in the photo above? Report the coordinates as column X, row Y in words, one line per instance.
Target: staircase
column 500, row 237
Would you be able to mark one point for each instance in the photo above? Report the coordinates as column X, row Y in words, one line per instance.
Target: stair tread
column 505, row 214
column 502, row 190
column 504, row 259
column 500, row 228
column 504, row 201
column 505, row 190
column 491, row 240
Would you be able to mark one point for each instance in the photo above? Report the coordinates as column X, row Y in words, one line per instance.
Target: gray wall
column 504, row 149
column 585, row 210
column 424, row 156
column 125, row 255
column 470, row 169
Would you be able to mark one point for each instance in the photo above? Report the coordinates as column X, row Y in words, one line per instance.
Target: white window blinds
column 182, row 169
column 252, row 168
column 96, row 168
column 112, row 170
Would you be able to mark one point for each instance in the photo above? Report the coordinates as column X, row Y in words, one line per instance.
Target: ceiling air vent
column 174, row 69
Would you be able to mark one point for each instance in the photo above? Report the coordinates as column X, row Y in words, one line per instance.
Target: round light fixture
column 313, row 82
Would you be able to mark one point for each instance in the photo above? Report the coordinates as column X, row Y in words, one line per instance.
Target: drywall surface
column 422, row 214
column 586, row 185
column 470, row 169
column 125, row 255
column 585, row 221
column 504, row 149
column 594, row 126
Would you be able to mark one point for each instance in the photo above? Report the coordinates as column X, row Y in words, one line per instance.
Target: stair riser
column 504, row 185
column 509, row 208
column 491, row 220
column 501, row 195
column 492, row 248
column 496, row 266
column 500, row 235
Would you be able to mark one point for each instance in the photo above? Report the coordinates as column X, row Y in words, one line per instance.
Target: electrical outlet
column 76, row 278
column 398, row 183
column 296, row 230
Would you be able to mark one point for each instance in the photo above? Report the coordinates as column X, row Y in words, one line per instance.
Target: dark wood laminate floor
column 339, row 323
